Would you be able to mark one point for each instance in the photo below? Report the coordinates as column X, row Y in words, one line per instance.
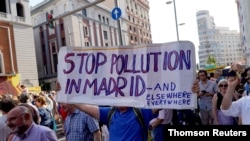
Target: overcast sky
column 162, row 18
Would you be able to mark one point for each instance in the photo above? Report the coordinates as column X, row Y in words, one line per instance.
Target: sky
column 162, row 18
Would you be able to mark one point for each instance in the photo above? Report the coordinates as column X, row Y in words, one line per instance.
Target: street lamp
column 176, row 23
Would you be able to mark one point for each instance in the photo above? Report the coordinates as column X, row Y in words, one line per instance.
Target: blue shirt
column 45, row 116
column 80, row 126
column 205, row 103
column 37, row 133
column 125, row 126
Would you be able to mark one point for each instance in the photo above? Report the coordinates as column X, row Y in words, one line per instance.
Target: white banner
column 147, row 76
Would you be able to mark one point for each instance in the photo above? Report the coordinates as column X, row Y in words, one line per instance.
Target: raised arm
column 214, row 109
column 92, row 110
column 233, row 81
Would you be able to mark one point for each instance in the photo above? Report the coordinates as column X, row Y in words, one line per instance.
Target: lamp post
column 176, row 23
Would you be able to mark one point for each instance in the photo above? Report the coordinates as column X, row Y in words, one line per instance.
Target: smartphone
column 203, row 91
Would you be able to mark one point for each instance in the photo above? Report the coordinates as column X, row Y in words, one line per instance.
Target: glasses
column 225, row 86
column 202, row 75
column 13, row 118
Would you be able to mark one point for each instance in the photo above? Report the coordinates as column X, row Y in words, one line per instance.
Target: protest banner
column 147, row 76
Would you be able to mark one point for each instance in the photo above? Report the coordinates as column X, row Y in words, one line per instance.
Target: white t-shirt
column 165, row 114
column 240, row 108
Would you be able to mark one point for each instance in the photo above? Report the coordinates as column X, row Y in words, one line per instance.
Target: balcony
column 16, row 19
column 20, row 19
column 4, row 15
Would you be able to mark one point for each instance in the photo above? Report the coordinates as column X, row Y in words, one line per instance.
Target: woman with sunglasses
column 219, row 117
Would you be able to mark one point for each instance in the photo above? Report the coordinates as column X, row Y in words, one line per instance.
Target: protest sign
column 147, row 76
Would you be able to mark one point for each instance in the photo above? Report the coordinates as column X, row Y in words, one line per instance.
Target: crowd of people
column 222, row 100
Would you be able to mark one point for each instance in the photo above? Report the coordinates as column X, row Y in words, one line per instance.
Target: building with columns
column 92, row 26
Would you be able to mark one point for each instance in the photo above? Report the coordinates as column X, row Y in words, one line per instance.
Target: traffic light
column 50, row 21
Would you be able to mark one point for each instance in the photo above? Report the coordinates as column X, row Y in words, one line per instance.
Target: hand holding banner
column 149, row 76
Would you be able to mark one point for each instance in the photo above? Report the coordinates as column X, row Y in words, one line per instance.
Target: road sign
column 116, row 13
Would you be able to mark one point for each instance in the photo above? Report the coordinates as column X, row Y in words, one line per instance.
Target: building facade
column 17, row 51
column 243, row 7
column 92, row 26
column 218, row 46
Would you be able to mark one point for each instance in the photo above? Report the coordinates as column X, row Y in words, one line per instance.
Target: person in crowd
column 48, row 101
column 211, row 76
column 244, row 76
column 240, row 107
column 20, row 121
column 52, row 95
column 188, row 117
column 35, row 114
column 45, row 114
column 24, row 89
column 124, row 119
column 26, row 98
column 218, row 75
column 124, row 124
column 79, row 126
column 6, row 104
column 219, row 117
column 207, row 89
column 160, row 124
column 247, row 87
column 63, row 115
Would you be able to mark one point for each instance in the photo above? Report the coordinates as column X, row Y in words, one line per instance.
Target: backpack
column 137, row 113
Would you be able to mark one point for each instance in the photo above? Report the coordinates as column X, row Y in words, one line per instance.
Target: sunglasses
column 223, row 85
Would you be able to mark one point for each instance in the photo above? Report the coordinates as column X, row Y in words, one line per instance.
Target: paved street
column 59, row 130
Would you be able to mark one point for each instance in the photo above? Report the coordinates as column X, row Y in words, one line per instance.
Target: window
column 20, row 11
column 103, row 19
column 44, row 54
column 99, row 16
column 84, row 12
column 1, row 63
column 3, row 8
column 62, row 27
column 105, row 34
column 63, row 42
column 107, row 20
column 54, row 61
column 86, row 31
column 87, row 44
column 41, row 32
column 44, row 59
